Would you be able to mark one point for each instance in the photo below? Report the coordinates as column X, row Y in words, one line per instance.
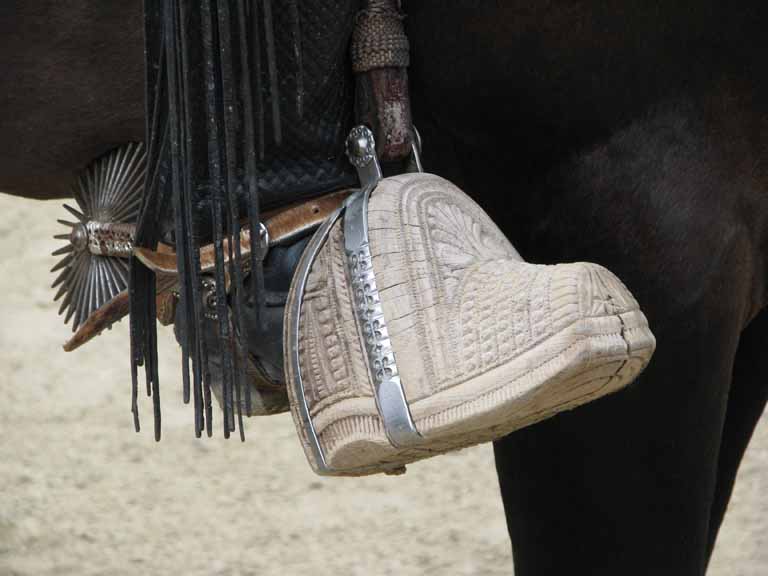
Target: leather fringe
column 205, row 128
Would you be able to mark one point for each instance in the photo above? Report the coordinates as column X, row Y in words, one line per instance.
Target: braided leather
column 379, row 39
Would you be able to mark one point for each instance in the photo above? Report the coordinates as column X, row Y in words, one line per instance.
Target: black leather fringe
column 205, row 127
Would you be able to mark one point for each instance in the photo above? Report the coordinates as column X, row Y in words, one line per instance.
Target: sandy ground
column 81, row 494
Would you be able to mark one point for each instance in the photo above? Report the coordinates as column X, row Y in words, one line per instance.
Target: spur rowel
column 94, row 268
column 414, row 328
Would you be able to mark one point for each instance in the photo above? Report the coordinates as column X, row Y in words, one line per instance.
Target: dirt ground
column 81, row 494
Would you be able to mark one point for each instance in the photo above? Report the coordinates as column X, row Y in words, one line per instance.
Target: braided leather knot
column 379, row 39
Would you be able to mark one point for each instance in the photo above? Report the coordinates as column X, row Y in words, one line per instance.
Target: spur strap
column 282, row 225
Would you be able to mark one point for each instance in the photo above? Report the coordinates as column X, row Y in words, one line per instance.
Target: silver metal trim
column 382, row 366
column 263, row 243
column 361, row 151
column 388, row 389
column 414, row 162
column 302, row 275
column 109, row 238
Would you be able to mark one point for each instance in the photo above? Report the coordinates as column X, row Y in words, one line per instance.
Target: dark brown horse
column 632, row 134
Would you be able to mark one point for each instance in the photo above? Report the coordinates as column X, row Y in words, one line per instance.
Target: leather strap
column 380, row 59
column 283, row 225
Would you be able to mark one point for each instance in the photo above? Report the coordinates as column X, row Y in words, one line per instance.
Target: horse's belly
column 571, row 67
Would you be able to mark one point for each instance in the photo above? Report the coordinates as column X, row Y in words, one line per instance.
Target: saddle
column 309, row 263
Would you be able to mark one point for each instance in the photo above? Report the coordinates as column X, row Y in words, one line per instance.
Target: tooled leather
column 310, row 160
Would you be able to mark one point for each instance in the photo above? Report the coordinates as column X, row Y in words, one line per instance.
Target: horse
column 627, row 134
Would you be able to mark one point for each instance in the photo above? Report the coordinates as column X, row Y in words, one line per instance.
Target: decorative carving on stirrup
column 380, row 356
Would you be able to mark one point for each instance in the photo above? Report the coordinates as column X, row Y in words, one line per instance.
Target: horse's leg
column 746, row 402
column 622, row 486
column 625, row 485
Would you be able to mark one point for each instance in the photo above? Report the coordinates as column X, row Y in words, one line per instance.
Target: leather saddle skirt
column 304, row 105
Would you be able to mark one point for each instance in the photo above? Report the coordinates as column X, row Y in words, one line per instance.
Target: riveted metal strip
column 388, row 388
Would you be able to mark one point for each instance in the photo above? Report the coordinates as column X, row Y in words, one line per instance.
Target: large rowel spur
column 93, row 271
